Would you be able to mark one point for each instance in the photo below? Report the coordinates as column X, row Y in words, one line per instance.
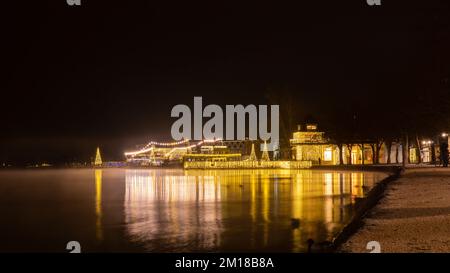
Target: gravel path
column 414, row 215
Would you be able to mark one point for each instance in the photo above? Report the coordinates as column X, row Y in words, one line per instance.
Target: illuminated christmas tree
column 265, row 154
column 253, row 154
column 98, row 158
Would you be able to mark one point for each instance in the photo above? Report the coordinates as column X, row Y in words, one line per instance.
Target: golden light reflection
column 184, row 206
column 238, row 210
column 98, row 205
column 357, row 184
column 321, row 198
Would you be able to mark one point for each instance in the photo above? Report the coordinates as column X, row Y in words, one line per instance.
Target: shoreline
column 365, row 206
column 408, row 216
column 390, row 169
column 366, row 168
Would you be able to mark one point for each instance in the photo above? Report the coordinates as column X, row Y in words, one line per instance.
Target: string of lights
column 166, row 143
column 149, row 147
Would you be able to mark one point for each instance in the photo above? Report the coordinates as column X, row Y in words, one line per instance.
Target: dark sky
column 109, row 72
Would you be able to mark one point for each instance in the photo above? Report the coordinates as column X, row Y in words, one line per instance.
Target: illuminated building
column 159, row 153
column 311, row 145
column 209, row 154
column 220, row 157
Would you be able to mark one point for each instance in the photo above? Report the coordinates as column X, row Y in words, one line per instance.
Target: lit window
column 328, row 154
column 311, row 127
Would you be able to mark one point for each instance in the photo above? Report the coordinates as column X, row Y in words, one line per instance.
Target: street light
column 427, row 142
column 444, row 135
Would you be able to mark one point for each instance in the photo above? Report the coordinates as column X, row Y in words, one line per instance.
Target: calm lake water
column 172, row 210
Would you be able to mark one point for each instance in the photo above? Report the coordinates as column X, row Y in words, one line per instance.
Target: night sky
column 107, row 73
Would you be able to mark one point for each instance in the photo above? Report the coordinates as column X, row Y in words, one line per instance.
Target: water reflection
column 238, row 210
column 98, row 205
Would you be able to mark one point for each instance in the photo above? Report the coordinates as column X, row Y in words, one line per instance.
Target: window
column 311, row 127
column 328, row 154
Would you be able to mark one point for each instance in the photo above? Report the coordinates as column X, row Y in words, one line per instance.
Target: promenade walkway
column 414, row 215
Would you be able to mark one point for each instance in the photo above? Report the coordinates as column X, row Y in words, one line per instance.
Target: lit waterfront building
column 208, row 154
column 159, row 153
column 156, row 153
column 308, row 143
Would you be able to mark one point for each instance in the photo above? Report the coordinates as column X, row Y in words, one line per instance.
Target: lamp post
column 433, row 152
column 444, row 137
column 444, row 145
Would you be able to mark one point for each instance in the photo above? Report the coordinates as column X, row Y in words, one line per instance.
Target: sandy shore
column 414, row 215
